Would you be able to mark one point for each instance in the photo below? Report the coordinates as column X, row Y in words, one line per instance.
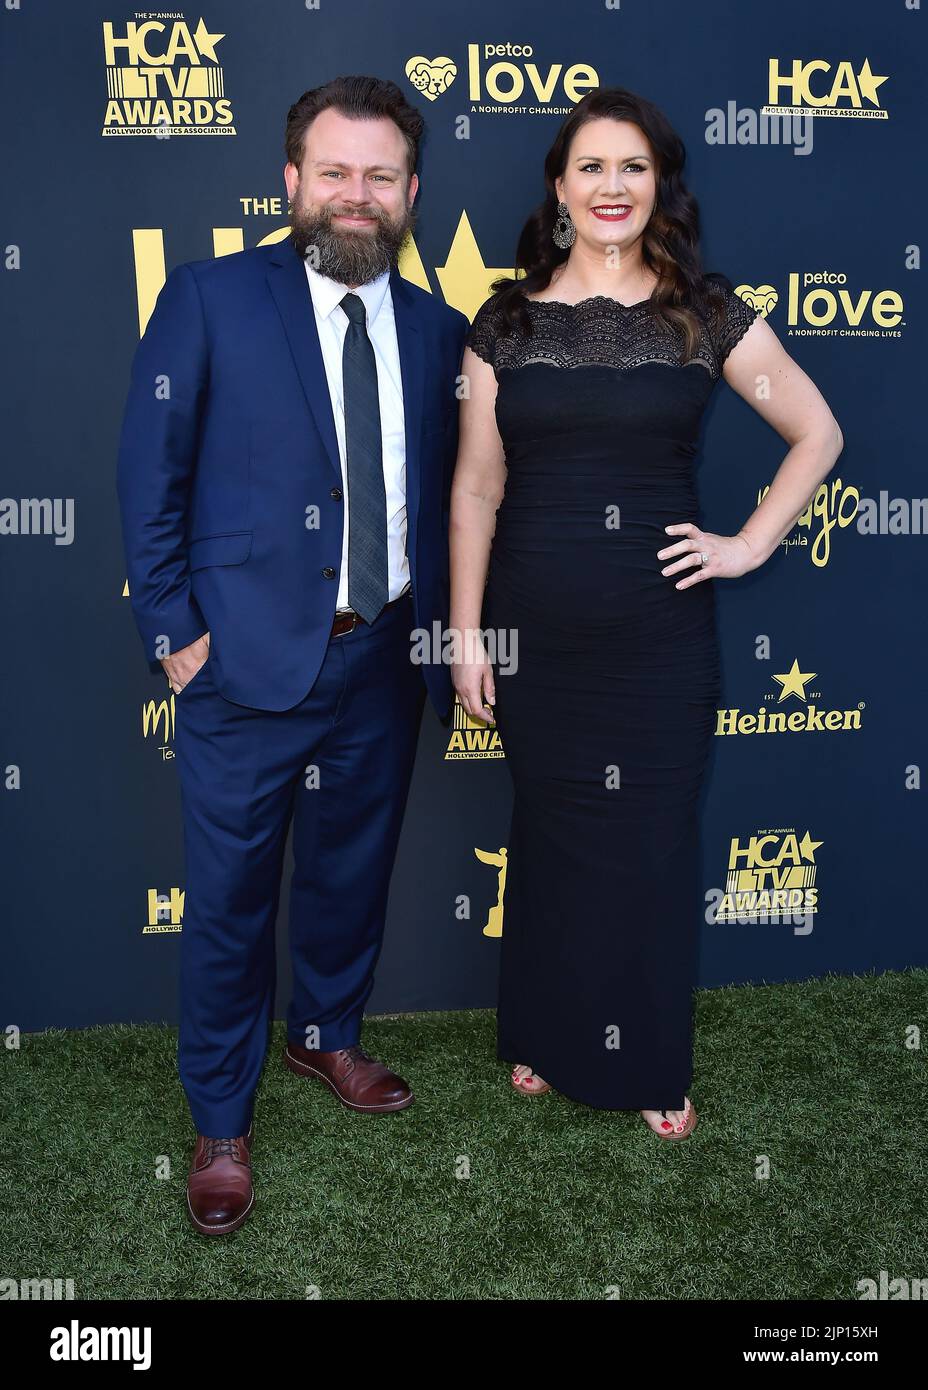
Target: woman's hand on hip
column 726, row 557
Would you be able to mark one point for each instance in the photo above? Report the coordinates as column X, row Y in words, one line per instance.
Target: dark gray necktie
column 368, row 587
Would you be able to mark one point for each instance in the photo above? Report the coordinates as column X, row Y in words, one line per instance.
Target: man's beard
column 351, row 257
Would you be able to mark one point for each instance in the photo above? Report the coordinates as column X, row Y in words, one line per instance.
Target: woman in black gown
column 574, row 525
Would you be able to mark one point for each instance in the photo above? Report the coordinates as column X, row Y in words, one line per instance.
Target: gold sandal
column 517, row 1084
column 689, row 1124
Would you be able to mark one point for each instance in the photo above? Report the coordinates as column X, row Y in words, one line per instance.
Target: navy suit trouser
column 338, row 766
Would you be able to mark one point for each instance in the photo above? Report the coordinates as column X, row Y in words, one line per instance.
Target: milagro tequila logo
column 158, row 723
column 163, row 78
column 810, row 718
column 158, row 715
column 771, row 875
column 834, row 503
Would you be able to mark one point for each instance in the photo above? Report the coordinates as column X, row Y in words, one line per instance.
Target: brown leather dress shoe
column 219, row 1188
column 357, row 1079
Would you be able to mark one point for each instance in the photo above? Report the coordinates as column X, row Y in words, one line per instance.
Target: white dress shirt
column 332, row 324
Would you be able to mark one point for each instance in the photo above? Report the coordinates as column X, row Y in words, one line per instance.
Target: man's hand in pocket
column 181, row 666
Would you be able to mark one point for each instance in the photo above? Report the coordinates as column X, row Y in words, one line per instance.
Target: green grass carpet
column 562, row 1202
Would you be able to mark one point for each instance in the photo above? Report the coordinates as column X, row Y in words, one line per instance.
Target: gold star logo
column 868, row 83
column 206, row 42
column 808, row 847
column 464, row 279
column 793, row 682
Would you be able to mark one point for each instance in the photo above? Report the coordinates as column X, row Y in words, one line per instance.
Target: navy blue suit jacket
column 228, row 440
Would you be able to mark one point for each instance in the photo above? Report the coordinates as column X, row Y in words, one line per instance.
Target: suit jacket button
column 328, row 572
column 336, row 493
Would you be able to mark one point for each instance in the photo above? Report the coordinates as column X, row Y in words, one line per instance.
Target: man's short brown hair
column 359, row 98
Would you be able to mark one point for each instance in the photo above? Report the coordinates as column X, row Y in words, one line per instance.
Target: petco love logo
column 505, row 78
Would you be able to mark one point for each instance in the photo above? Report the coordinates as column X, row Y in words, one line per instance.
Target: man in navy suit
column 284, row 480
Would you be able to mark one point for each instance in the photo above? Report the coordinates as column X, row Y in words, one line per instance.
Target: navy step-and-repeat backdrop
column 137, row 139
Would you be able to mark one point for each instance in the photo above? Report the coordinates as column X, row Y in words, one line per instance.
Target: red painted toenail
column 665, row 1124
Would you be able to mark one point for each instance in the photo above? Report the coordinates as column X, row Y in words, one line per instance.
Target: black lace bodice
column 602, row 332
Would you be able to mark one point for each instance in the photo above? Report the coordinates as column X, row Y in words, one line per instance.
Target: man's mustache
column 355, row 212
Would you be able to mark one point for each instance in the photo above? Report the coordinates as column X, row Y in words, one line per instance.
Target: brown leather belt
column 347, row 622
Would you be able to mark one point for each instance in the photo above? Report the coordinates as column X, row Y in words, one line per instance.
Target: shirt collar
column 327, row 294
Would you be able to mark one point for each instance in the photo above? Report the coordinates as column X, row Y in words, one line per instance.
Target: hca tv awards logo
column 165, row 912
column 771, row 875
column 808, row 719
column 164, row 78
column 472, row 738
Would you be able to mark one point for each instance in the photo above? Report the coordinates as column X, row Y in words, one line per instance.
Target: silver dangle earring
column 564, row 233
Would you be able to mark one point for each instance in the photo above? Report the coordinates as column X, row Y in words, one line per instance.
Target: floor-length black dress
column 607, row 721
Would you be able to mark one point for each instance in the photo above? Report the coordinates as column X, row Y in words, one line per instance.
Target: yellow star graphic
column 793, row 682
column 808, row 847
column 464, row 279
column 206, row 42
column 868, row 83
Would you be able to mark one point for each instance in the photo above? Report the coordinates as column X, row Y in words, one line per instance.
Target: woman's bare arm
column 476, row 492
column 762, row 372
